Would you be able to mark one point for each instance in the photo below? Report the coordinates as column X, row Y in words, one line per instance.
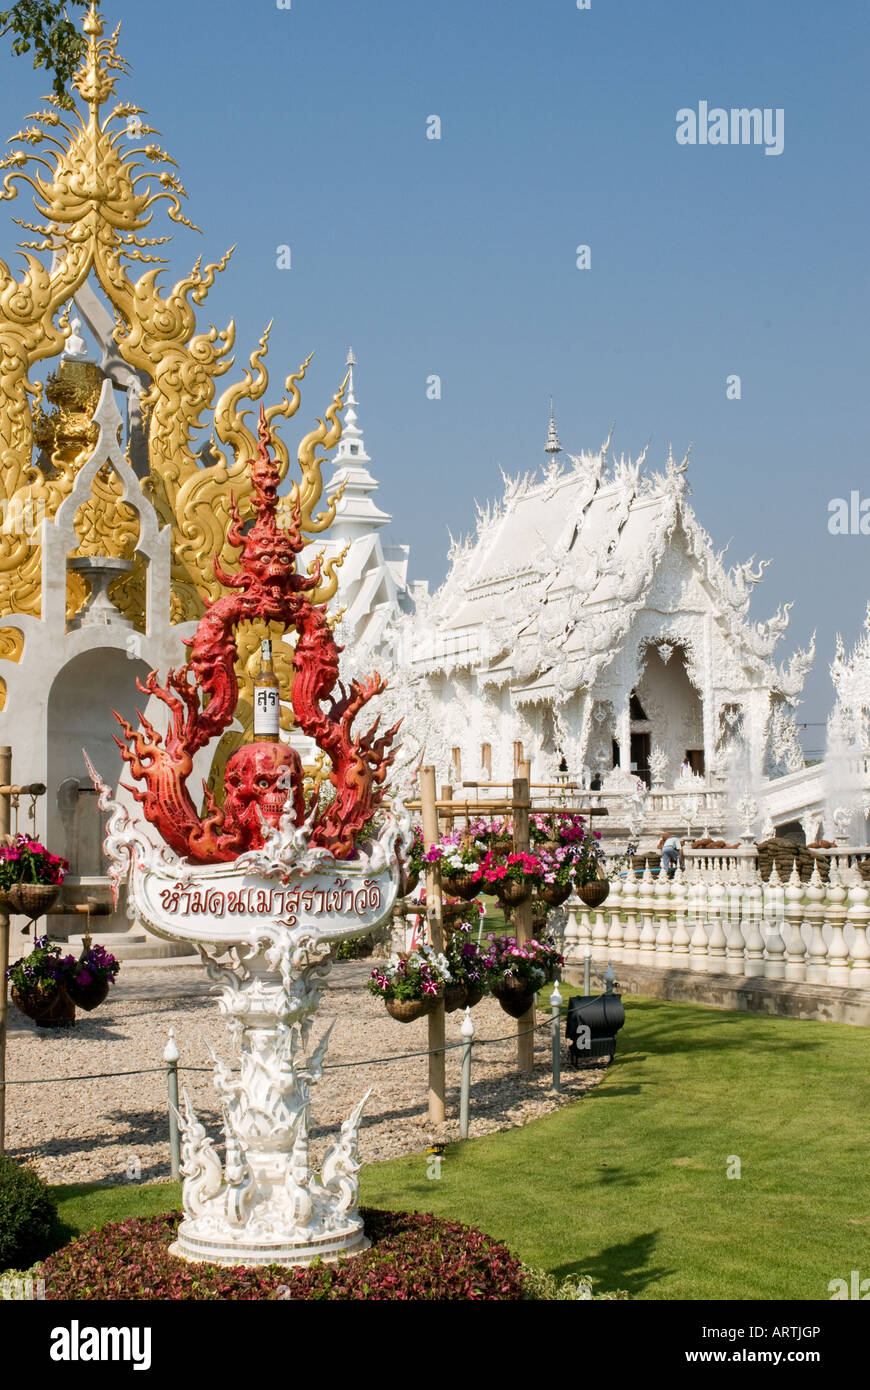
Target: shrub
column 413, row 1257
column 29, row 1227
column 544, row 1287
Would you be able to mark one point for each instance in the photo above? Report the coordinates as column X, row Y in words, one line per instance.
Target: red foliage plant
column 413, row 1257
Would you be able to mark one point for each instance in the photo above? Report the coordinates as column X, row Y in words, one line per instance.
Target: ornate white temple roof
column 544, row 593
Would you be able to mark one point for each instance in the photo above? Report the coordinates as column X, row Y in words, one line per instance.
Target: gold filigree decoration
column 11, row 647
column 97, row 180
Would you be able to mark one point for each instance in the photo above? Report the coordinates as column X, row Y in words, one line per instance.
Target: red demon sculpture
column 266, row 586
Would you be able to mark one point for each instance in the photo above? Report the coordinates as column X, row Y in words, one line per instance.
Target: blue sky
column 307, row 127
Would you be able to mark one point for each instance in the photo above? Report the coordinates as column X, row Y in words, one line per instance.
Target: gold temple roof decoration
column 96, row 191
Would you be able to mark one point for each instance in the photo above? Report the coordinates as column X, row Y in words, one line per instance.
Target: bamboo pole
column 437, row 1032
column 522, row 915
column 446, row 820
column 5, row 823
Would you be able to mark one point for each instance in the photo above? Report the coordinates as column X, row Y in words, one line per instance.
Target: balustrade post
column 631, row 936
column 817, row 968
column 680, row 942
column 699, row 946
column 753, row 964
column 647, row 942
column 795, row 949
column 858, row 916
column 838, row 954
column 572, row 928
column 664, row 935
column 584, row 926
column 734, row 902
column 735, row 945
column 716, row 941
column 774, row 948
column 773, row 921
column 600, row 933
column 613, row 907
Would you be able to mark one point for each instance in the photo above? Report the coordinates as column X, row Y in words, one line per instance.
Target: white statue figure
column 201, row 1168
column 76, row 349
column 339, row 1172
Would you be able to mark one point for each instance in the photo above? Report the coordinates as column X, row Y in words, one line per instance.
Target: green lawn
column 629, row 1184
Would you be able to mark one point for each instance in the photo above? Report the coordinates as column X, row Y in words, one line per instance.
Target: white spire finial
column 351, row 442
column 553, row 445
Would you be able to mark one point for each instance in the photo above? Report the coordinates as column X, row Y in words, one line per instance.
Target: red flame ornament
column 265, row 586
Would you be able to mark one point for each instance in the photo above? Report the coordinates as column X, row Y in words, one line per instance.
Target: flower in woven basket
column 28, row 861
column 411, row 975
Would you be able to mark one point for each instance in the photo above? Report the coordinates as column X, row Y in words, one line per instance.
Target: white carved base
column 264, row 925
column 210, row 1248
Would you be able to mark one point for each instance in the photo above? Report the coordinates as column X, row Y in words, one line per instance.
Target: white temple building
column 590, row 626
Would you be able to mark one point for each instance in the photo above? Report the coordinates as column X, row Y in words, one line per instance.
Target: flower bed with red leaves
column 412, row 1257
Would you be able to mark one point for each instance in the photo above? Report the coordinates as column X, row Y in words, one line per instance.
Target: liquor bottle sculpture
column 262, row 889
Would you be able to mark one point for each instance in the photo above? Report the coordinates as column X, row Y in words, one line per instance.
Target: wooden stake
column 522, row 916
column 5, row 822
column 437, row 1033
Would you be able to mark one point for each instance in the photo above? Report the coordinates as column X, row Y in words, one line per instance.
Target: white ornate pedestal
column 264, row 925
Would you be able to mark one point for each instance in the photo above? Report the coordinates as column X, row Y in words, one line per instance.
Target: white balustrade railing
column 724, row 919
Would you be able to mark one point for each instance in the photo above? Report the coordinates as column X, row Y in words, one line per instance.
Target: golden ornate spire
column 97, row 180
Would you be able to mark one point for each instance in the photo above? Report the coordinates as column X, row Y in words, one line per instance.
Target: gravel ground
column 116, row 1130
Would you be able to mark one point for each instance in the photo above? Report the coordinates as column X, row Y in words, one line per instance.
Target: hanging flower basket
column 411, row 984
column 514, row 996
column 31, row 899
column 594, row 892
column 511, row 892
column 30, row 876
column 554, row 894
column 455, row 997
column 88, row 997
column 473, row 995
column 465, row 886
column 49, row 1008
column 406, row 1010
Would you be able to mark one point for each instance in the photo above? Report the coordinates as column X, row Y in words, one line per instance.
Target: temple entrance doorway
column 640, row 751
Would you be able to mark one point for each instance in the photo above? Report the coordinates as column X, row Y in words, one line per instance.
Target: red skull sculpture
column 251, row 785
